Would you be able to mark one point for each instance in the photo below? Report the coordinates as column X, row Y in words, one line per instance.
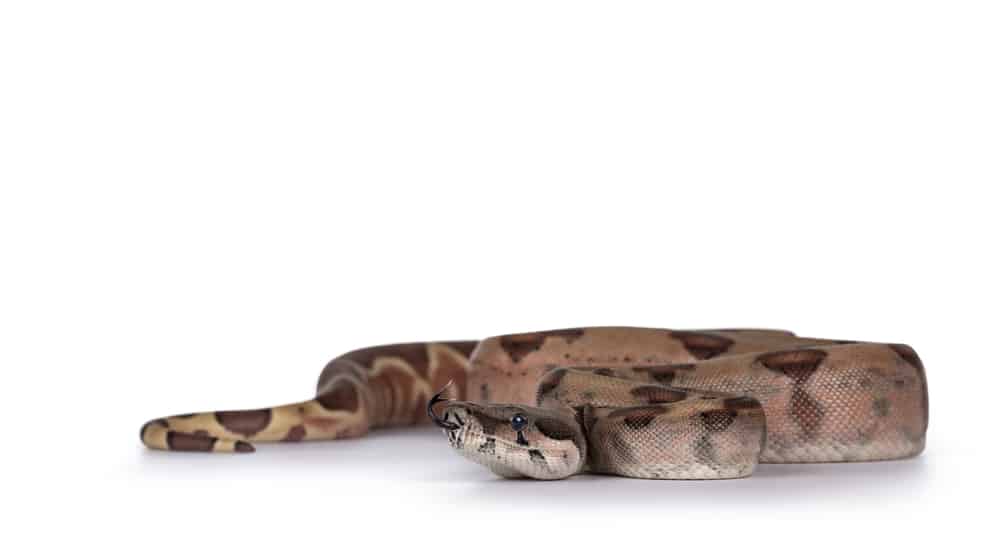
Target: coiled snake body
column 636, row 402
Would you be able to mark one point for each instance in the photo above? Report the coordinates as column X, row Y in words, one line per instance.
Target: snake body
column 635, row 402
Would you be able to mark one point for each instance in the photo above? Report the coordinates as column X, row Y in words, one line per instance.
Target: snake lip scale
column 634, row 402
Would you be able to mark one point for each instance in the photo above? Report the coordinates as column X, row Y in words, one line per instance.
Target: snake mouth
column 496, row 454
column 459, row 427
column 456, row 438
column 456, row 429
column 475, row 432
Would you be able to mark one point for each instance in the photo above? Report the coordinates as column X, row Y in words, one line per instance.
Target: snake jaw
column 485, row 435
column 455, row 439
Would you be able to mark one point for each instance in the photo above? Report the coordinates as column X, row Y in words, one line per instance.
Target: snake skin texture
column 635, row 402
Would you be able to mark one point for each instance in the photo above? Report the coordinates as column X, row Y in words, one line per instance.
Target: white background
column 203, row 201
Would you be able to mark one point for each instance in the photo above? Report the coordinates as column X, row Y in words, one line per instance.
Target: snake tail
column 384, row 386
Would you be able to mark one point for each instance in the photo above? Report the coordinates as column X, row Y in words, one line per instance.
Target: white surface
column 201, row 202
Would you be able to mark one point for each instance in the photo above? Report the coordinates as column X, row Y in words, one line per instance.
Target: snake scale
column 636, row 402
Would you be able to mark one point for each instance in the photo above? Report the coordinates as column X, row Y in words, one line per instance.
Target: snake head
column 513, row 440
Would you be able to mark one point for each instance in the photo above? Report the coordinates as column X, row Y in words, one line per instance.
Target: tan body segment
column 381, row 386
column 715, row 401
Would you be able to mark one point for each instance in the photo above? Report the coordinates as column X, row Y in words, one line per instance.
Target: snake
column 644, row 403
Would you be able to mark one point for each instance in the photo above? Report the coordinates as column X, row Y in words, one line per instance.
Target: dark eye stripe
column 555, row 429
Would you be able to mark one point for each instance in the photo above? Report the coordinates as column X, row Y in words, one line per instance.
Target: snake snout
column 456, row 419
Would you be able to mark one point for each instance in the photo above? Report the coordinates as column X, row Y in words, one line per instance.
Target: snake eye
column 518, row 422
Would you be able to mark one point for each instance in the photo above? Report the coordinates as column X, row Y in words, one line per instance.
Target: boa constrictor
column 636, row 402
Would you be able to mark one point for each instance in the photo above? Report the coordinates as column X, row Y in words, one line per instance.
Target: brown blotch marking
column 488, row 447
column 517, row 346
column 243, row 446
column 717, row 420
column 555, row 429
column 658, row 395
column 392, row 390
column 909, row 355
column 343, row 396
column 538, row 458
column 414, row 354
column 488, row 423
column 189, row 442
column 703, row 346
column 882, row 407
column 704, row 450
column 639, row 421
column 663, row 373
column 296, row 433
column 605, row 372
column 244, row 422
column 806, row 411
column 484, row 392
column 798, row 364
column 419, row 412
column 463, row 347
column 550, row 381
column 741, row 403
column 338, row 367
column 640, row 416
